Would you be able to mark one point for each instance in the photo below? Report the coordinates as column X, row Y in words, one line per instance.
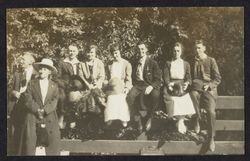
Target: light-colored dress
column 182, row 105
column 116, row 107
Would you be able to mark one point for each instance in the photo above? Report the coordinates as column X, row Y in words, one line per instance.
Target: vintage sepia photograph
column 125, row 81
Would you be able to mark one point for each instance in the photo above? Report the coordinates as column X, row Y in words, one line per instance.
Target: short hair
column 200, row 41
column 114, row 48
column 179, row 44
column 143, row 43
column 92, row 47
column 73, row 44
column 29, row 56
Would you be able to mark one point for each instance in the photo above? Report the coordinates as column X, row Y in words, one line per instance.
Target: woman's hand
column 170, row 86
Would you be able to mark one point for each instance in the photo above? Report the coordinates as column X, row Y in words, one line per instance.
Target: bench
column 230, row 104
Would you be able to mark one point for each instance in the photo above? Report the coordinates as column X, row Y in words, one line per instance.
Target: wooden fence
column 231, row 104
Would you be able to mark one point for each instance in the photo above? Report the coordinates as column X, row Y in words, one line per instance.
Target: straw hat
column 45, row 62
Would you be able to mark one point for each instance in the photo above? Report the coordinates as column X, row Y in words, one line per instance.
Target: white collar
column 91, row 62
column 143, row 59
column 118, row 61
column 28, row 69
column 177, row 60
column 74, row 61
column 201, row 58
column 44, row 80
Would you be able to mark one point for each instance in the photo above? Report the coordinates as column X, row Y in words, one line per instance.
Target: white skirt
column 117, row 108
column 183, row 105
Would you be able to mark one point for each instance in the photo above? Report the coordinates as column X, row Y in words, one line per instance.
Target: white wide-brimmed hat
column 45, row 62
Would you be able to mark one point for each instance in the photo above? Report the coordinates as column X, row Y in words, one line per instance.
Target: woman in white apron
column 177, row 78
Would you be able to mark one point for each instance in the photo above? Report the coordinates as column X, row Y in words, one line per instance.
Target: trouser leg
column 168, row 102
column 209, row 103
column 131, row 98
column 195, row 96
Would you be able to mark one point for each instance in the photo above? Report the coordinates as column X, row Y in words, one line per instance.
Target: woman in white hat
column 41, row 127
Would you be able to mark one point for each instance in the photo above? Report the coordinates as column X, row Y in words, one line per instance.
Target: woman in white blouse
column 177, row 78
column 119, row 85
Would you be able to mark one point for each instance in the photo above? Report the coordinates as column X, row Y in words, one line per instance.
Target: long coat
column 33, row 101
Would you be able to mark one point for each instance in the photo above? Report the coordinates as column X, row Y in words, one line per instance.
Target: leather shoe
column 148, row 124
column 140, row 127
column 211, row 145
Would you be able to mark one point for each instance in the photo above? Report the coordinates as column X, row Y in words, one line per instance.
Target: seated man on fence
column 66, row 69
column 206, row 77
column 146, row 81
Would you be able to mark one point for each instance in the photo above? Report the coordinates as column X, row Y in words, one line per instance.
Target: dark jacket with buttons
column 33, row 102
column 151, row 73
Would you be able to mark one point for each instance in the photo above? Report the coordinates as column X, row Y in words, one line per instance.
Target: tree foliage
column 48, row 31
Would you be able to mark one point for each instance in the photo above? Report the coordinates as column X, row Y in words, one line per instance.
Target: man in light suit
column 205, row 74
column 146, row 80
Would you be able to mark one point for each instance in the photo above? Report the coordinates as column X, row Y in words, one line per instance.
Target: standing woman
column 177, row 78
column 41, row 123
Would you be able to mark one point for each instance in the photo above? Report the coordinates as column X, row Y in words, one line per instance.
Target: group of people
column 45, row 97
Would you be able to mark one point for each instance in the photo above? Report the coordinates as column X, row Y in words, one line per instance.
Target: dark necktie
column 199, row 69
column 139, row 71
column 23, row 79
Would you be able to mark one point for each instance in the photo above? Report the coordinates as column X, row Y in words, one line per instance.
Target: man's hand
column 126, row 90
column 148, row 90
column 185, row 86
column 16, row 94
column 206, row 87
column 91, row 86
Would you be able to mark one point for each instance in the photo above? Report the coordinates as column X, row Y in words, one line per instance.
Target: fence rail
column 134, row 147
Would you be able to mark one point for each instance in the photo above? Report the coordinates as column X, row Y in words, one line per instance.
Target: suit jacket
column 33, row 102
column 98, row 74
column 126, row 73
column 65, row 71
column 151, row 73
column 210, row 72
column 167, row 76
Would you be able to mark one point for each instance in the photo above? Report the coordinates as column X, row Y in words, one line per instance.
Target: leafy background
column 48, row 31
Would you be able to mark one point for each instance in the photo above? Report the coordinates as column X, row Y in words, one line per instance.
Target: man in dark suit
column 146, row 80
column 66, row 69
column 205, row 73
